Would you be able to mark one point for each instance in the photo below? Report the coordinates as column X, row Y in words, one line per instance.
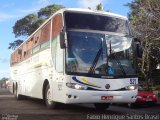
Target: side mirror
column 62, row 40
column 139, row 50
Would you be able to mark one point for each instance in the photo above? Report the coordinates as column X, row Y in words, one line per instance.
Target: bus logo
column 107, row 86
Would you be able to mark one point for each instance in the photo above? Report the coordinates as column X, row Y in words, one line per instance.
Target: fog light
column 69, row 96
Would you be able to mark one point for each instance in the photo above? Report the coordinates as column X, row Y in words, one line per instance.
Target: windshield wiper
column 117, row 60
column 93, row 66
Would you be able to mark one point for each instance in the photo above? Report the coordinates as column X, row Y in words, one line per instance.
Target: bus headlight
column 131, row 87
column 76, row 86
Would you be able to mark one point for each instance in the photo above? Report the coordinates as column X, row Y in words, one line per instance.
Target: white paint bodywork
column 32, row 72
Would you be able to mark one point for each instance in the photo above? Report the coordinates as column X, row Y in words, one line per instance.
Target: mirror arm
column 139, row 50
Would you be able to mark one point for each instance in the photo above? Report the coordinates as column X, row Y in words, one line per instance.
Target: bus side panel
column 39, row 73
column 31, row 73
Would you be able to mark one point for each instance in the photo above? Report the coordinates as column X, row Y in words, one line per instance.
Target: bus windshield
column 107, row 54
column 96, row 22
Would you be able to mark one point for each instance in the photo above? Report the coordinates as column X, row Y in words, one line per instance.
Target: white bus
column 77, row 56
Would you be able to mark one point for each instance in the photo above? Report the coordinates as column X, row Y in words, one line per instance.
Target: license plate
column 106, row 97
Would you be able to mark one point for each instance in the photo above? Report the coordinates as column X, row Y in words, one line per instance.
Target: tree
column 15, row 44
column 49, row 10
column 27, row 25
column 3, row 82
column 22, row 26
column 144, row 17
column 4, row 79
column 99, row 7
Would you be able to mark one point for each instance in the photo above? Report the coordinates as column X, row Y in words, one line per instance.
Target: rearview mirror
column 139, row 50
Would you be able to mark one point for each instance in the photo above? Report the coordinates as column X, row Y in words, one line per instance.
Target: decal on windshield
column 110, row 71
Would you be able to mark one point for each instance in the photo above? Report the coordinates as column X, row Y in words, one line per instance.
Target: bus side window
column 59, row 57
column 53, row 51
column 36, row 39
column 57, row 53
column 24, row 51
column 57, row 25
column 45, row 32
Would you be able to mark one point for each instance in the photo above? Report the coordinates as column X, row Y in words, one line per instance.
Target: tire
column 101, row 106
column 13, row 89
column 49, row 103
column 131, row 105
column 16, row 94
column 151, row 104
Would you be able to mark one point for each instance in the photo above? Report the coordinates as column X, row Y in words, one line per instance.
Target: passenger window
column 57, row 25
column 59, row 57
column 45, row 44
column 36, row 49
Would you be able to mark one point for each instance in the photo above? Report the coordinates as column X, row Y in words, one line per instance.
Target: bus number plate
column 106, row 97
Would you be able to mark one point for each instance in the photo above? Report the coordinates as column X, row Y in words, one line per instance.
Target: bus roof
column 78, row 10
column 95, row 12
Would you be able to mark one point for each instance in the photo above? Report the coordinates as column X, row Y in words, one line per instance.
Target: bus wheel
column 13, row 89
column 131, row 105
column 49, row 103
column 102, row 106
column 17, row 95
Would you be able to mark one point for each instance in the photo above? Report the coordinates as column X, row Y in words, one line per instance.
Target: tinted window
column 95, row 22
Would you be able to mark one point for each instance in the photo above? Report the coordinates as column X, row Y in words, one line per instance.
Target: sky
column 13, row 10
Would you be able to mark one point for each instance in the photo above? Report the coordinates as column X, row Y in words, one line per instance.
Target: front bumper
column 89, row 96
